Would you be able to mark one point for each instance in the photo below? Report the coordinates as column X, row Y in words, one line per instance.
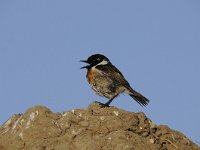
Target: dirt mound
column 93, row 128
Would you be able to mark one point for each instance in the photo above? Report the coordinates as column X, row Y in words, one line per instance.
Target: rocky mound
column 93, row 128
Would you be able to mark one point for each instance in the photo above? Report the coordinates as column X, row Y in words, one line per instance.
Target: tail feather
column 139, row 98
column 143, row 101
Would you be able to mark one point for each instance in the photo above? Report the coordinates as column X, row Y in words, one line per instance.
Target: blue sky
column 155, row 44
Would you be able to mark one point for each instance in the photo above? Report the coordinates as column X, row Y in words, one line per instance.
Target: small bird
column 107, row 81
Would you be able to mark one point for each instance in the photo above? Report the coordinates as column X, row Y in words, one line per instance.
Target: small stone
column 102, row 118
column 76, row 132
column 144, row 134
column 116, row 113
column 151, row 141
column 84, row 123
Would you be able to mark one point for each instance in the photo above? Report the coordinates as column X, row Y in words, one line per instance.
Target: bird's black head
column 94, row 60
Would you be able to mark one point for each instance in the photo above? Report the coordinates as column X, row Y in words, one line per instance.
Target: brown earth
column 94, row 128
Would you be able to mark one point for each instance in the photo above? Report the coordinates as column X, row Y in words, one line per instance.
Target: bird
column 107, row 81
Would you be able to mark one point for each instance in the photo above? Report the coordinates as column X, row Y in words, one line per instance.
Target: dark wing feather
column 113, row 73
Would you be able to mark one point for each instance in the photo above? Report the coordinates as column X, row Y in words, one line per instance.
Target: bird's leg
column 108, row 102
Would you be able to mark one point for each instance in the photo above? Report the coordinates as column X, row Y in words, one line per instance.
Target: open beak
column 85, row 61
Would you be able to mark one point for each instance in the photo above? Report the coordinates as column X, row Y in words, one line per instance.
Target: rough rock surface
column 94, row 128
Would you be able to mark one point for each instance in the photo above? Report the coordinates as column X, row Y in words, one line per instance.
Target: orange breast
column 90, row 76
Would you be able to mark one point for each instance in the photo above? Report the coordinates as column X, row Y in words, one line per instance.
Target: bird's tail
column 143, row 101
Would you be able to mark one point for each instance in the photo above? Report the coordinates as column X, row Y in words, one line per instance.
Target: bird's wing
column 112, row 72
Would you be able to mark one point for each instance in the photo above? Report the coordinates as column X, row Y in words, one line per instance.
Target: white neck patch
column 104, row 62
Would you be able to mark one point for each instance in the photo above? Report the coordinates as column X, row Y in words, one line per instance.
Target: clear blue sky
column 156, row 44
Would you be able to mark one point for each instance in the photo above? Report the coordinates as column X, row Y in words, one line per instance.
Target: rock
column 93, row 128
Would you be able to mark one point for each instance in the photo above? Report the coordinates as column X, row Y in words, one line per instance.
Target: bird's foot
column 102, row 105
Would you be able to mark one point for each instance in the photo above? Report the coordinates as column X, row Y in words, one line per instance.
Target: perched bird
column 106, row 80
